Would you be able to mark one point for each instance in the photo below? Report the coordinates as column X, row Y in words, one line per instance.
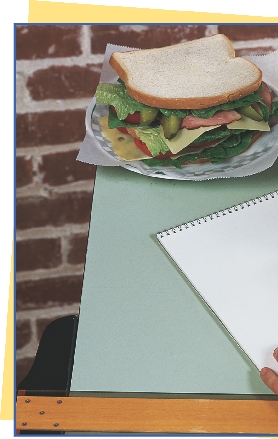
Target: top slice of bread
column 192, row 75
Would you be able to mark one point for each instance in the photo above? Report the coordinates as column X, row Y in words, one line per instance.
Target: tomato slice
column 141, row 145
column 122, row 130
column 133, row 118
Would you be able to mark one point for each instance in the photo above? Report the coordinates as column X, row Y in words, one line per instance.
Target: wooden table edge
column 147, row 415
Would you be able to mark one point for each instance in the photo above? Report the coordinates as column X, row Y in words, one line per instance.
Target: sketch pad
column 231, row 259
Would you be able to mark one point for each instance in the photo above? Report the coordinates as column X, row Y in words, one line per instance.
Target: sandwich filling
column 179, row 136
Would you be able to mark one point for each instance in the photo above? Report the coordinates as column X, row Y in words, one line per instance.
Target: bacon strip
column 220, row 118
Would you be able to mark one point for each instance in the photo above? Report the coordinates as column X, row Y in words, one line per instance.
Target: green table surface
column 142, row 327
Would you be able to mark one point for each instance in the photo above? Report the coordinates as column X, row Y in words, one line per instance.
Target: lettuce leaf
column 178, row 113
column 216, row 133
column 206, row 113
column 275, row 108
column 265, row 111
column 153, row 139
column 116, row 95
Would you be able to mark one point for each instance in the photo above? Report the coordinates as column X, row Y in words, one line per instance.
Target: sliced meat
column 220, row 118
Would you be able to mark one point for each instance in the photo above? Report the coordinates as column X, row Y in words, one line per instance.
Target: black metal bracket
column 50, row 374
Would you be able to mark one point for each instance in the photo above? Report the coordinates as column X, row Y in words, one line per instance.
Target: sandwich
column 188, row 103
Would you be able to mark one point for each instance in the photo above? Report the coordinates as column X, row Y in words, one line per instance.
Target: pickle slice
column 250, row 112
column 170, row 125
column 147, row 115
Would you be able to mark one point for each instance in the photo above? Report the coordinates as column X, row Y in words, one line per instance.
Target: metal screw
column 24, row 424
column 59, row 401
column 42, row 412
column 27, row 400
column 56, row 424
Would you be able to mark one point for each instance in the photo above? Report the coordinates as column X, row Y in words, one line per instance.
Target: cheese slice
column 245, row 123
column 184, row 137
column 122, row 144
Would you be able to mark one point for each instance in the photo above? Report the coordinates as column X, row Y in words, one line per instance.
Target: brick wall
column 57, row 71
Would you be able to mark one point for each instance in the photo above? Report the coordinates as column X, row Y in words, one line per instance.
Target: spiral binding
column 219, row 214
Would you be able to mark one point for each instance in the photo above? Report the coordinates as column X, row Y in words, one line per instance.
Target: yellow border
column 7, row 401
column 52, row 12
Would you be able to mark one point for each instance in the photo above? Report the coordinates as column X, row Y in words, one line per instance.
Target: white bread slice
column 192, row 75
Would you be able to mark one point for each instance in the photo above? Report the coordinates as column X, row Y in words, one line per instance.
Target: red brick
column 101, row 35
column 145, row 37
column 24, row 171
column 49, row 292
column 50, row 128
column 78, row 247
column 61, row 82
column 23, row 367
column 23, row 333
column 174, row 34
column 61, row 209
column 62, row 168
column 33, row 254
column 249, row 32
column 50, row 41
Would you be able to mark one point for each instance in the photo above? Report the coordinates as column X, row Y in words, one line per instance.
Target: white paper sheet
column 231, row 259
